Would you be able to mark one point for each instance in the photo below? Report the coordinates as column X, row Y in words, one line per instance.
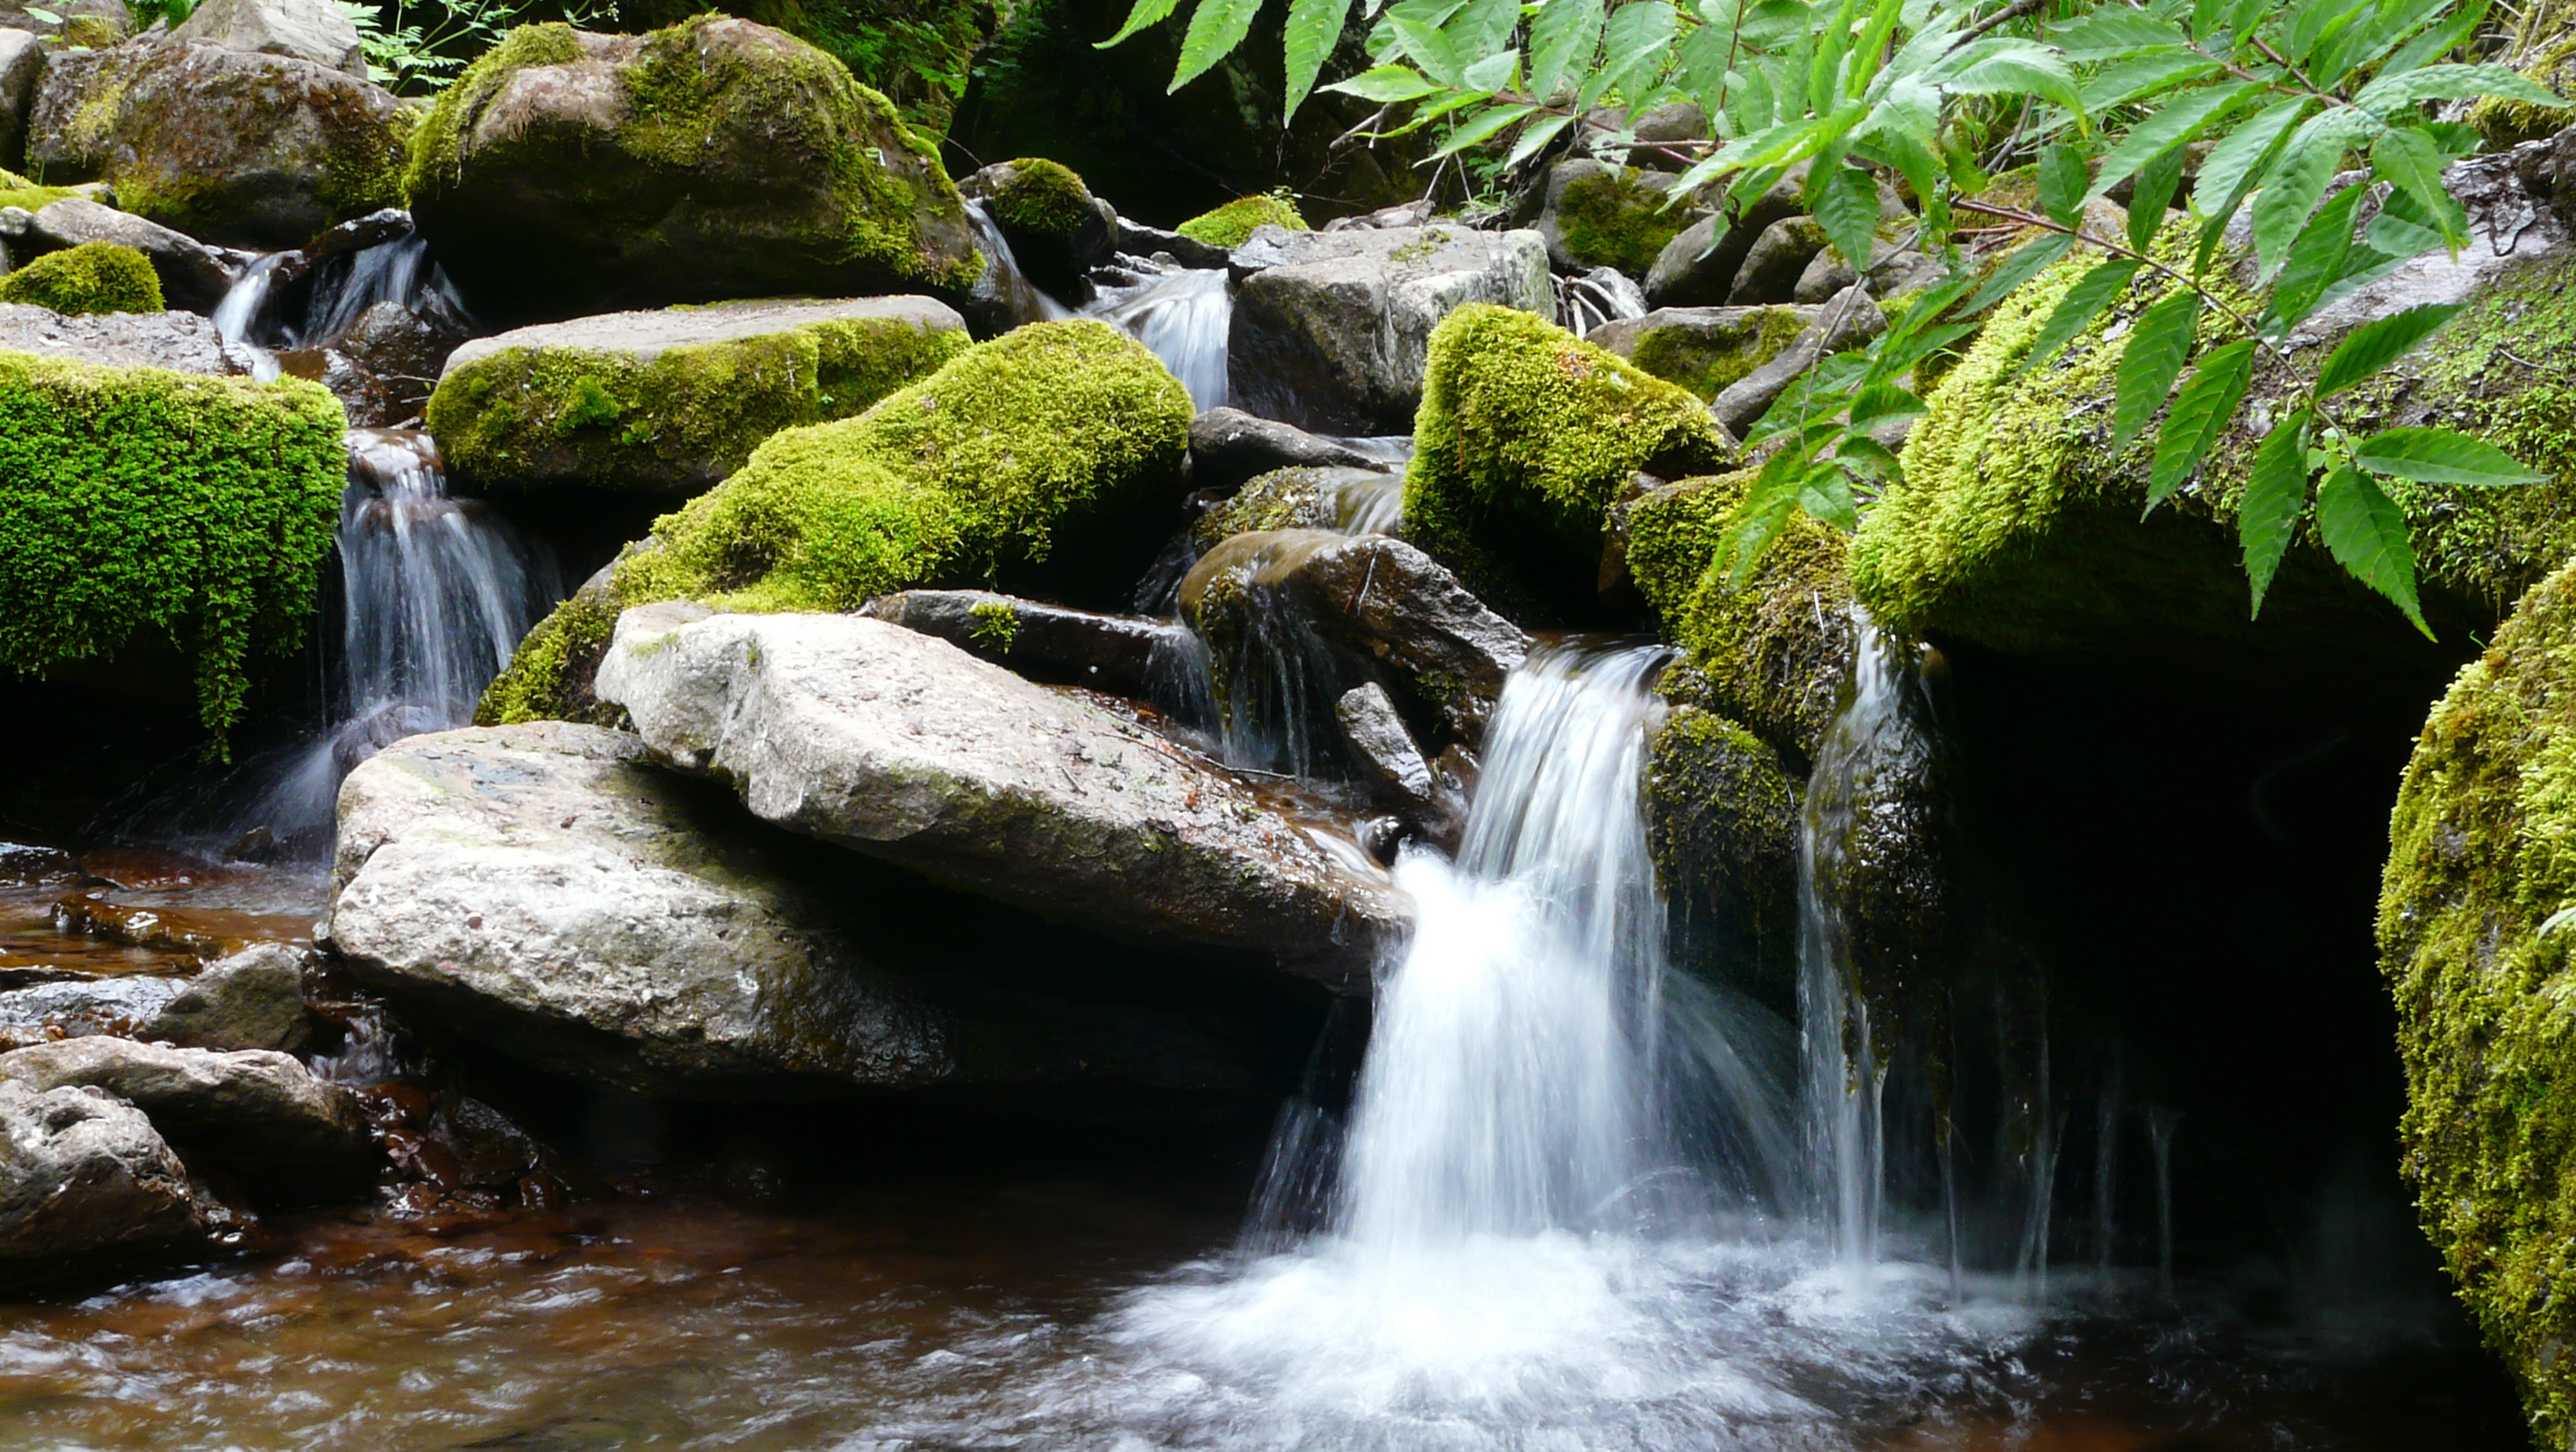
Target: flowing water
column 1184, row 317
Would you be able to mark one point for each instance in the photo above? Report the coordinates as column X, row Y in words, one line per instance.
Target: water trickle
column 1184, row 316
column 239, row 312
column 346, row 285
column 1003, row 298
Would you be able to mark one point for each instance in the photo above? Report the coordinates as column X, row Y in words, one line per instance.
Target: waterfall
column 1184, row 317
column 239, row 312
column 1003, row 298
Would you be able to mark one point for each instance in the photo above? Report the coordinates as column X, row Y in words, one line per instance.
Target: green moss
column 1232, row 224
column 2542, row 46
column 995, row 623
column 434, row 158
column 1042, row 199
column 1525, row 437
column 1608, row 219
column 1706, row 359
column 136, row 501
column 95, row 277
column 2480, row 859
column 683, row 421
column 549, row 678
column 17, row 191
column 1722, row 821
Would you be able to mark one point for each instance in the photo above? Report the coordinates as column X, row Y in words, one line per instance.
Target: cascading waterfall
column 239, row 312
column 1184, row 317
column 1004, row 298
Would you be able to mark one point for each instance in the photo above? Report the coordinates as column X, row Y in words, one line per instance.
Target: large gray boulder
column 257, row 1117
column 22, row 65
column 874, row 737
column 193, row 275
column 229, row 146
column 548, row 891
column 1331, row 328
column 308, row 30
column 85, row 1183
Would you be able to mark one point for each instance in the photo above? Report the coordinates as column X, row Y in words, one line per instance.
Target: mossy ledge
column 94, row 277
column 1526, row 436
column 136, row 500
column 1232, row 225
column 2482, row 857
column 1039, row 448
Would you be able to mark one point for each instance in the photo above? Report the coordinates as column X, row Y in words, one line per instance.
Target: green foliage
column 141, row 503
column 1232, row 224
column 994, row 622
column 2283, row 98
column 94, row 277
column 18, row 191
column 417, row 47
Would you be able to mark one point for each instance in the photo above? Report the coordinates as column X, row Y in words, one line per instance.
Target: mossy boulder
column 1049, row 453
column 1703, row 349
column 1057, row 229
column 1328, row 497
column 2018, row 527
column 1722, row 821
column 2481, row 863
column 142, row 505
column 1233, row 224
column 228, row 146
column 568, row 173
column 676, row 400
column 1526, row 437
column 1603, row 216
column 95, row 277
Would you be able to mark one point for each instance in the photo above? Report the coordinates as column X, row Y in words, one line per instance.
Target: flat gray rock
column 645, row 335
column 874, row 737
column 180, row 342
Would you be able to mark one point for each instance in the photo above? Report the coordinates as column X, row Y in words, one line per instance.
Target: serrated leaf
column 2157, row 182
column 2405, row 156
column 1485, row 124
column 2062, row 180
column 2433, row 455
column 1386, row 85
column 2276, row 494
column 2177, row 123
column 1634, row 44
column 1536, row 137
column 1216, row 28
column 1146, row 12
column 2113, row 31
column 1563, row 34
column 1482, row 27
column 2452, row 83
column 2199, row 415
column 1314, row 28
column 2374, row 345
column 2291, row 192
column 2366, row 533
column 2437, row 42
column 2316, row 260
column 2082, row 302
column 2027, row 262
column 2157, row 349
column 1881, row 402
column 2017, row 72
column 1825, row 494
column 1491, row 74
column 1844, row 201
column 2143, row 77
column 2229, row 169
column 1425, row 46
column 1867, row 457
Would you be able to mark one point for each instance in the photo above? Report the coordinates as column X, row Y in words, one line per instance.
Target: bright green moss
column 1042, row 199
column 95, row 277
column 134, row 500
column 1525, row 437
column 17, row 191
column 1232, row 224
column 549, row 678
column 688, row 418
column 1706, row 360
column 434, row 155
column 2482, row 854
column 1607, row 219
column 978, row 468
column 995, row 623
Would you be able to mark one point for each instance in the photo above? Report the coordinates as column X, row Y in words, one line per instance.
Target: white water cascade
column 1184, row 317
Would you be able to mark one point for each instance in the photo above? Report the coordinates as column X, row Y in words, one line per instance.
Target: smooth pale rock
column 890, row 742
column 22, row 65
column 310, row 30
column 84, row 1182
column 194, row 276
column 1331, row 329
column 1229, row 446
column 1057, row 643
column 1394, row 605
column 180, row 342
column 257, row 1117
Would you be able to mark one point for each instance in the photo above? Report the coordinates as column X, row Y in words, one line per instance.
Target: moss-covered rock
column 2541, row 45
column 1344, row 500
column 2481, row 863
column 17, row 191
column 95, row 277
column 550, row 676
column 1526, row 436
column 1034, row 453
column 567, row 173
column 674, row 400
column 2017, row 527
column 137, row 503
column 228, row 146
column 1703, row 349
column 1057, row 229
column 1722, row 820
column 1233, row 224
column 1601, row 216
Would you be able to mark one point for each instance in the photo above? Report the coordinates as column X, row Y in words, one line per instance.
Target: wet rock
column 1722, row 816
column 1345, row 501
column 253, row 999
column 1603, row 216
column 228, row 146
column 1703, row 349
column 1229, row 446
column 1697, row 268
column 568, row 173
column 1773, row 265
column 22, row 865
column 674, row 400
column 906, row 748
column 78, row 1005
column 22, row 65
column 1055, row 643
column 257, row 1118
column 308, row 30
column 397, row 355
column 1381, row 598
column 193, row 276
column 1386, row 751
column 1057, row 229
column 180, row 342
column 1331, row 329
column 85, row 1183
column 1138, row 240
column 1850, row 320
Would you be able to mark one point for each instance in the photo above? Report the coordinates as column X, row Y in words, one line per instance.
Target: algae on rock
column 95, row 277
